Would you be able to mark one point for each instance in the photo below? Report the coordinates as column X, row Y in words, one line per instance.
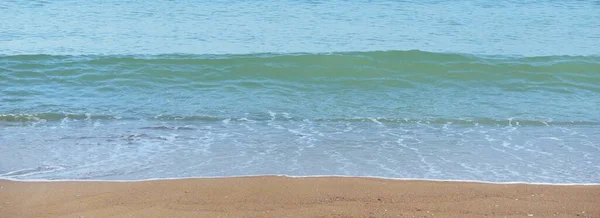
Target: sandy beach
column 270, row 196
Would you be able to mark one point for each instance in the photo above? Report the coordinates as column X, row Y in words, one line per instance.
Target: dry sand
column 294, row 197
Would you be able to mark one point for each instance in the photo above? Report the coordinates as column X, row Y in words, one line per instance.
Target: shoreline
column 281, row 196
column 299, row 177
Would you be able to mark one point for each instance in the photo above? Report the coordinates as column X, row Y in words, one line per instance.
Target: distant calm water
column 461, row 90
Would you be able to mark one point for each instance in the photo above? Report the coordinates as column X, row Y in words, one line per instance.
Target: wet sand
column 270, row 196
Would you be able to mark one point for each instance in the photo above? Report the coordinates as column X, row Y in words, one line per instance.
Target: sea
column 482, row 90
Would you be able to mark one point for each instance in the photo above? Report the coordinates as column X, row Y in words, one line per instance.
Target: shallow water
column 110, row 90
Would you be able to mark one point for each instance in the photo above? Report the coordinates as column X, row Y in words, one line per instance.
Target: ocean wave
column 391, row 85
column 385, row 68
column 49, row 117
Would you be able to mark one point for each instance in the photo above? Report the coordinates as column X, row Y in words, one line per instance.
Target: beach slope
column 273, row 196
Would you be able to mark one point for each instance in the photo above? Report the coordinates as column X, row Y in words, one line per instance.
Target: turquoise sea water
column 457, row 90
